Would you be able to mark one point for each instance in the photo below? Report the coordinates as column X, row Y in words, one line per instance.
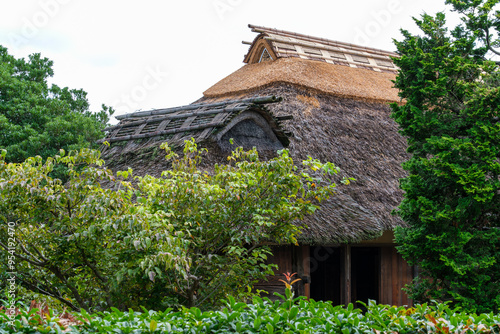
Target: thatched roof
column 278, row 56
column 144, row 129
column 360, row 138
column 325, row 78
column 340, row 114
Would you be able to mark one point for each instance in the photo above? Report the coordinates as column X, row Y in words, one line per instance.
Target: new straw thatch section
column 341, row 81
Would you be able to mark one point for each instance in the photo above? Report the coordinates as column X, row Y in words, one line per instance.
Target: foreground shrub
column 265, row 316
column 188, row 238
column 72, row 241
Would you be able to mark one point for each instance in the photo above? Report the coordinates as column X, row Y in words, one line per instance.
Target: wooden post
column 385, row 292
column 346, row 275
column 394, row 274
column 306, row 265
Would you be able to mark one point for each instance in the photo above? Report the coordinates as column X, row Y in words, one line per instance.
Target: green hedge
column 265, row 316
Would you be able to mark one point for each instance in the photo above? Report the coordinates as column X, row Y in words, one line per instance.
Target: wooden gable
column 285, row 44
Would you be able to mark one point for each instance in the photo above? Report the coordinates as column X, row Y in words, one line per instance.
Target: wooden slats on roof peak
column 196, row 121
column 286, row 44
column 256, row 100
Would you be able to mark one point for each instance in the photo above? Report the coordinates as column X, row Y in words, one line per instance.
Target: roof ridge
column 261, row 29
column 195, row 120
column 163, row 111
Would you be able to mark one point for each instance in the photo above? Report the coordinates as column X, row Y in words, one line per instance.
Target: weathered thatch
column 360, row 138
column 340, row 114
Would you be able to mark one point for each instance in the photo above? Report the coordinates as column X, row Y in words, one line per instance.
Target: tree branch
column 36, row 250
column 33, row 287
column 39, row 253
column 104, row 280
column 73, row 290
column 221, row 281
column 487, row 32
column 39, row 264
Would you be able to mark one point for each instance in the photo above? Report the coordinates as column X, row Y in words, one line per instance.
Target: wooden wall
column 283, row 257
column 395, row 273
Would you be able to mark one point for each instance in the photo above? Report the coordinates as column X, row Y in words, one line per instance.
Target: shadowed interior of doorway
column 327, row 266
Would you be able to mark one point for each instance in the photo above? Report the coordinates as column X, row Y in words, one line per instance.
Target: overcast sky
column 140, row 55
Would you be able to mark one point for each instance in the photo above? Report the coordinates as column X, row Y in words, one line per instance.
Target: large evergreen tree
column 450, row 117
column 40, row 119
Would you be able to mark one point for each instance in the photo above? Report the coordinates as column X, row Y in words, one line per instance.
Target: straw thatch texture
column 360, row 138
column 326, row 78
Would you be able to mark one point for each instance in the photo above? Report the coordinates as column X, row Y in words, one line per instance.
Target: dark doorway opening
column 325, row 273
column 365, row 270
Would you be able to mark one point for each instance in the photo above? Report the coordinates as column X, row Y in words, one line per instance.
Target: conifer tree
column 450, row 116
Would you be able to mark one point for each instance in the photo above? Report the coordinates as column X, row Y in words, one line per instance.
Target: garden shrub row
column 265, row 316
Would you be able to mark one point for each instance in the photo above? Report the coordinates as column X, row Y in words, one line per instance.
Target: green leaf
column 256, row 323
column 153, row 325
column 293, row 313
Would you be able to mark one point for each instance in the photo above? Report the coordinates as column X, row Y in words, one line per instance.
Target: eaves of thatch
column 332, row 105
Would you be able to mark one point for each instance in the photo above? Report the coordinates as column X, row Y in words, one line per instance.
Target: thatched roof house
column 317, row 97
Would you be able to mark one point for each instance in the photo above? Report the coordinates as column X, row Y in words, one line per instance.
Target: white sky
column 140, row 55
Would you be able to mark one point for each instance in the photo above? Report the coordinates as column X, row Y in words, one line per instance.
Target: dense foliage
column 70, row 240
column 450, row 118
column 265, row 316
column 229, row 216
column 38, row 119
column 190, row 237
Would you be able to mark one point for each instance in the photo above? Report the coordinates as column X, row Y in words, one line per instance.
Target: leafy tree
column 187, row 238
column 38, row 119
column 229, row 217
column 450, row 118
column 73, row 241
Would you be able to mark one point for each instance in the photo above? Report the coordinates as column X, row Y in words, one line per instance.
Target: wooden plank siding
column 345, row 282
column 395, row 273
column 391, row 272
column 306, row 271
column 283, row 258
